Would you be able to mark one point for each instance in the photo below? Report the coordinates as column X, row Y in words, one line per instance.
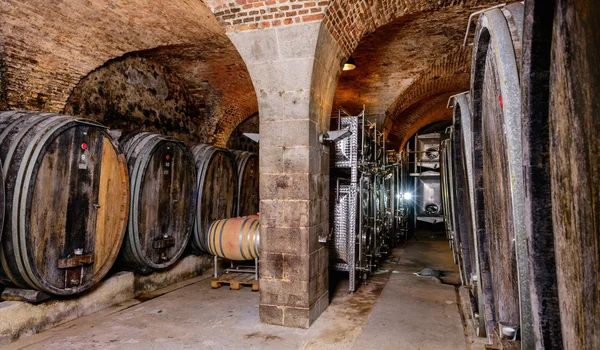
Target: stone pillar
column 291, row 78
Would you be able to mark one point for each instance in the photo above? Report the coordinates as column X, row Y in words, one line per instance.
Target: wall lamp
column 350, row 64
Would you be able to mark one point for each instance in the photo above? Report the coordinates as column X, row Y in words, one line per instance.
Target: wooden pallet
column 235, row 281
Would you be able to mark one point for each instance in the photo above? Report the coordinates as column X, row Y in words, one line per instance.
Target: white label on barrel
column 82, row 166
column 166, row 172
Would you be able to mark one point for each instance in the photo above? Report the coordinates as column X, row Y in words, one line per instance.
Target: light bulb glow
column 407, row 196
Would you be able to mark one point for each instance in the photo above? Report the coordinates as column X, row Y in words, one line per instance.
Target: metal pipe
column 451, row 105
column 360, row 219
column 471, row 18
column 256, row 268
column 216, row 268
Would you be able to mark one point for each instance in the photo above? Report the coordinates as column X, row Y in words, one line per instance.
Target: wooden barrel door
column 163, row 183
column 217, row 190
column 498, row 177
column 248, row 183
column 66, row 201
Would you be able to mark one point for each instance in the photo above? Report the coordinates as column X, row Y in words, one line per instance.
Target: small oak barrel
column 248, row 177
column 217, row 189
column 163, row 185
column 235, row 238
column 67, row 194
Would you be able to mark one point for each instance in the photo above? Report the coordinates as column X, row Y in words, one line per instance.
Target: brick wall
column 136, row 93
column 242, row 15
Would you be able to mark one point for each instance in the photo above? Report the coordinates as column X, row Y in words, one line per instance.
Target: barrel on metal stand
column 163, row 182
column 235, row 238
column 498, row 176
column 248, row 179
column 217, row 190
column 67, row 196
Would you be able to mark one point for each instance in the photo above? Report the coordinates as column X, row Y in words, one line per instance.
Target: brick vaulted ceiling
column 408, row 52
column 407, row 70
column 48, row 46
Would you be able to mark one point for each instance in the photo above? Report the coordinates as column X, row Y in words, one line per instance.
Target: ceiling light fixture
column 350, row 64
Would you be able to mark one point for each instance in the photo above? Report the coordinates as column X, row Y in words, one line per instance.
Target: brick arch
column 350, row 20
column 421, row 114
column 448, row 73
column 426, row 97
column 44, row 62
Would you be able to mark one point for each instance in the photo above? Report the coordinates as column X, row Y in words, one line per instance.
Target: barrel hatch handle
column 165, row 241
column 73, row 265
column 75, row 260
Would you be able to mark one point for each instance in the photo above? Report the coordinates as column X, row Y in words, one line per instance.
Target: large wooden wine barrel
column 217, row 190
column 448, row 195
column 248, row 180
column 537, row 42
column 235, row 238
column 67, row 196
column 574, row 153
column 498, row 171
column 163, row 182
column 463, row 146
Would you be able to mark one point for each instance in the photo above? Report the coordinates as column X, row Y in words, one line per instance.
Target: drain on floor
column 427, row 272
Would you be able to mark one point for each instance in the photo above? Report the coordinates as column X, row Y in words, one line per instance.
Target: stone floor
column 395, row 310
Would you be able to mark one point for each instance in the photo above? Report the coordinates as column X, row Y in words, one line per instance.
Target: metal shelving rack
column 364, row 207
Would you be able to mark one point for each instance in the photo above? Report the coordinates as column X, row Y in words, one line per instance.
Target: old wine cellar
column 298, row 174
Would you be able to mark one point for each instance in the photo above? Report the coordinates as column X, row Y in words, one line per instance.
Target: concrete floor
column 395, row 310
